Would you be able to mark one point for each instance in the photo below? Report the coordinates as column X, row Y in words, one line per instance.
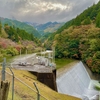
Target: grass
column 24, row 93
column 16, row 97
column 62, row 62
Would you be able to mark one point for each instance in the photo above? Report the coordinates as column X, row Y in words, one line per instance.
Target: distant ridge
column 21, row 25
column 46, row 28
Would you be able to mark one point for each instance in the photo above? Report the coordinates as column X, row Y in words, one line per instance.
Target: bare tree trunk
column 4, row 89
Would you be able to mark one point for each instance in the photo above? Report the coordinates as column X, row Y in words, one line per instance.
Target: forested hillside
column 90, row 15
column 80, row 38
column 46, row 29
column 12, row 40
column 28, row 28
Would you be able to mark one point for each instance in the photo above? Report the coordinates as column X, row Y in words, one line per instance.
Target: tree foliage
column 80, row 43
column 87, row 17
column 13, row 39
column 87, row 21
column 21, row 25
column 17, row 34
column 98, row 20
column 79, row 38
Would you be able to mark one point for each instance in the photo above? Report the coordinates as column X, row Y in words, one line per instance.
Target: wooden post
column 4, row 89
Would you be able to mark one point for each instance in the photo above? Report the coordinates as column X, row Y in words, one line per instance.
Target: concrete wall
column 48, row 79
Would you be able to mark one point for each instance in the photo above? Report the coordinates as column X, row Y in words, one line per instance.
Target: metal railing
column 18, row 87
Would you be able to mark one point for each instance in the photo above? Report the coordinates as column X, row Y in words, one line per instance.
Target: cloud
column 42, row 11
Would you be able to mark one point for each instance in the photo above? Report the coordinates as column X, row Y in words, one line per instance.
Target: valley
column 71, row 29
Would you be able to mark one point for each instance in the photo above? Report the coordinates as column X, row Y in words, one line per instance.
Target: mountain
column 13, row 39
column 32, row 24
column 46, row 28
column 28, row 28
column 86, row 17
column 79, row 38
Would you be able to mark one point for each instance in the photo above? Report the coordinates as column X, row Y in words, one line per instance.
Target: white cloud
column 54, row 6
column 43, row 10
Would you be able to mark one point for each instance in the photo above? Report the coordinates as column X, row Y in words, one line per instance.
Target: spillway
column 76, row 82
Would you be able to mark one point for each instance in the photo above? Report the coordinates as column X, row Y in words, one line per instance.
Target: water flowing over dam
column 77, row 82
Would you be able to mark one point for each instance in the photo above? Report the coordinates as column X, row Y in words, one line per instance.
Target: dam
column 76, row 81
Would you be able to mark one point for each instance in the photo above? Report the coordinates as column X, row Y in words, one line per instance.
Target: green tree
column 87, row 21
column 93, row 14
column 98, row 20
column 16, row 37
column 77, row 21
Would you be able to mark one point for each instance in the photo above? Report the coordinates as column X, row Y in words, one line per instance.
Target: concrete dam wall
column 74, row 81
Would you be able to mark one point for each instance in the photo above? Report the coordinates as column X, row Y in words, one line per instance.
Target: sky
column 42, row 11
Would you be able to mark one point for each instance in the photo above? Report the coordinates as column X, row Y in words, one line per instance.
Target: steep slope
column 88, row 16
column 15, row 41
column 21, row 25
column 79, row 38
column 46, row 28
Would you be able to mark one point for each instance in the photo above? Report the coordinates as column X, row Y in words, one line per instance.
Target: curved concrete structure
column 75, row 81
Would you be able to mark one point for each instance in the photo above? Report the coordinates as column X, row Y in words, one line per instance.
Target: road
column 24, row 58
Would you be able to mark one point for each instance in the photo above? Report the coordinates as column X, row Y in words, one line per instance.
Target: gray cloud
column 42, row 11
